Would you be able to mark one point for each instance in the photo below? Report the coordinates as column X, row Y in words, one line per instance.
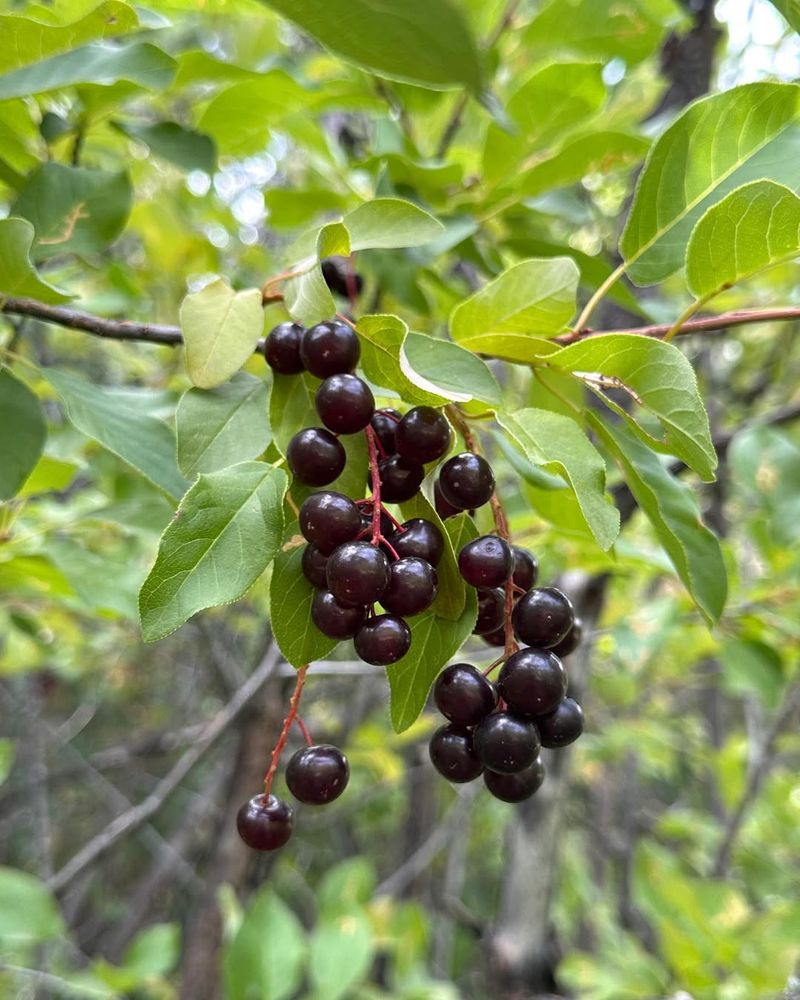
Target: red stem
column 304, row 730
column 294, row 702
column 372, row 439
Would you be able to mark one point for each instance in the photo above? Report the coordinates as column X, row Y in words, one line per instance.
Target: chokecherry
column 400, row 479
column 463, row 695
column 333, row 619
column 384, row 423
column 496, row 638
column 313, row 564
column 505, row 742
column 486, row 561
column 265, row 822
column 518, row 786
column 328, row 520
column 571, row 640
column 526, row 568
column 340, row 278
column 418, row 537
column 318, row 774
column 466, row 481
column 330, row 349
column 453, row 755
column 345, row 403
column 491, row 612
column 543, row 617
column 382, row 640
column 282, row 348
column 315, row 456
column 532, row 682
column 443, row 507
column 412, row 586
column 423, row 435
column 358, row 574
column 561, row 727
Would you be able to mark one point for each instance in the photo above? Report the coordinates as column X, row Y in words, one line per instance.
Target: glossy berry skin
column 562, row 727
column 420, row 538
column 506, row 743
column 542, row 617
column 315, row 456
column 496, row 638
column 358, row 574
column 328, row 520
column 515, row 787
column 453, row 755
column 265, row 822
column 526, row 568
column 333, row 619
column 532, row 682
column 466, row 480
column 329, row 349
column 340, row 278
column 382, row 640
column 366, row 522
column 571, row 640
column 491, row 611
column 345, row 403
column 413, row 586
column 443, row 508
column 486, row 561
column 384, row 423
column 282, row 349
column 400, row 480
column 317, row 775
column 463, row 695
column 313, row 564
column 423, row 435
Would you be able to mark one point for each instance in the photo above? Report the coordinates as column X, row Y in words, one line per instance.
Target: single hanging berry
column 318, row 774
column 265, row 822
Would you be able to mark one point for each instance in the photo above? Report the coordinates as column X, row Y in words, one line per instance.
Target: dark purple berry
column 328, row 520
column 315, row 456
column 491, row 612
column 571, row 640
column 400, row 480
column 282, row 349
column 412, row 586
column 333, row 619
column 384, row 423
column 532, row 682
column 341, row 278
column 443, row 508
column 515, row 787
column 506, row 743
column 463, row 695
column 423, row 435
column 496, row 638
column 358, row 574
column 345, row 403
column 486, row 561
column 382, row 640
column 265, row 822
column 330, row 349
column 453, row 755
column 386, row 522
column 466, row 481
column 317, row 775
column 562, row 727
column 418, row 537
column 542, row 617
column 526, row 568
column 314, row 563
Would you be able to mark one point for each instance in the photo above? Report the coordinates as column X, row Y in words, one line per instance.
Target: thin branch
column 134, row 817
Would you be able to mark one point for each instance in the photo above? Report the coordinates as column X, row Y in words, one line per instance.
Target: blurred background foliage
column 673, row 864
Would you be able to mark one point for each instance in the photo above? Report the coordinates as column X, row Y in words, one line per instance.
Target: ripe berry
column 463, row 695
column 571, row 640
column 496, row 638
column 491, row 611
column 423, row 435
column 506, row 743
column 314, row 563
column 515, row 787
column 532, row 682
column 317, row 775
column 382, row 640
column 486, row 561
column 400, row 479
column 562, row 727
column 282, row 349
column 466, row 480
column 453, row 755
column 420, row 538
column 366, row 522
column 345, row 403
column 340, row 277
column 315, row 456
column 328, row 520
column 358, row 574
column 330, row 349
column 384, row 423
column 265, row 822
column 542, row 617
column 412, row 586
column 334, row 620
column 526, row 568
column 443, row 507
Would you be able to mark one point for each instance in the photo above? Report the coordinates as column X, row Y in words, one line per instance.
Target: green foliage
column 20, row 450
column 17, row 274
column 264, row 959
column 28, row 912
column 220, row 328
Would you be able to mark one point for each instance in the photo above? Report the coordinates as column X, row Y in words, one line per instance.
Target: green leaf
column 535, row 298
column 341, row 952
column 154, row 951
column 48, row 476
column 112, row 419
column 559, row 445
column 138, row 62
column 8, row 750
column 73, row 209
column 716, row 145
column 220, row 329
column 790, row 10
column 450, row 600
column 306, row 296
column 450, row 368
column 28, row 913
column 23, row 436
column 423, row 41
column 390, row 223
column 671, row 508
column 434, row 641
column 222, row 426
column 184, row 147
column 27, row 39
column 17, row 274
column 225, row 533
column 659, row 378
column 384, row 361
column 264, row 960
column 752, row 228
column 752, row 667
column 600, row 152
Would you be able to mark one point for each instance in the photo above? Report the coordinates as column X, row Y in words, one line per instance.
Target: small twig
column 291, row 715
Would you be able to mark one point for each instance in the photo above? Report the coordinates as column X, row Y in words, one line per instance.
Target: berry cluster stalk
column 376, row 484
column 291, row 715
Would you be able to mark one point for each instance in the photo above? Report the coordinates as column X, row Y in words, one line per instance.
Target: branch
column 134, row 817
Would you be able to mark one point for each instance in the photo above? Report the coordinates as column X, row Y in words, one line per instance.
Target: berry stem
column 372, row 445
column 304, row 730
column 291, row 715
column 495, row 665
